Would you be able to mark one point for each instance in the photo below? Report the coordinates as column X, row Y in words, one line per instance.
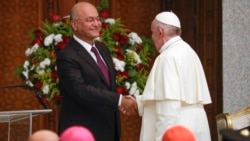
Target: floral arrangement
column 131, row 55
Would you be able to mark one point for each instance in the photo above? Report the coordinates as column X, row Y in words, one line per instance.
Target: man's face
column 87, row 25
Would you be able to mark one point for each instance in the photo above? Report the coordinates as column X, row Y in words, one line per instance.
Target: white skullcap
column 168, row 18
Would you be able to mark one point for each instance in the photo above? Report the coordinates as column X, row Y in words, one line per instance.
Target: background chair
column 235, row 121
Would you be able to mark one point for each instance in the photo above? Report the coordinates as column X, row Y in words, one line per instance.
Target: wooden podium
column 12, row 116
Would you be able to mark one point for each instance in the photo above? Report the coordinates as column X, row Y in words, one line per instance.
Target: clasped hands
column 128, row 105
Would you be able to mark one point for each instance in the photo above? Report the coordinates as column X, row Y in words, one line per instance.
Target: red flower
column 121, row 90
column 55, row 18
column 139, row 66
column 117, row 49
column 60, row 45
column 116, row 36
column 38, row 33
column 38, row 85
column 139, row 48
column 123, row 39
column 54, row 75
column 104, row 13
column 104, row 25
column 123, row 74
column 120, row 56
column 66, row 39
column 37, row 41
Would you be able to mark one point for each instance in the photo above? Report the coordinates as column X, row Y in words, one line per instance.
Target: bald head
column 81, row 9
column 44, row 135
column 85, row 22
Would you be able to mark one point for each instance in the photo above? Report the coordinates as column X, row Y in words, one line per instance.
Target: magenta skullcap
column 77, row 133
column 168, row 18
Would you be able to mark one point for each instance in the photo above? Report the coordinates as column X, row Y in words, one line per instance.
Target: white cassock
column 175, row 93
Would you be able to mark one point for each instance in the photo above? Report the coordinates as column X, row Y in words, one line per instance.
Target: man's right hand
column 128, row 106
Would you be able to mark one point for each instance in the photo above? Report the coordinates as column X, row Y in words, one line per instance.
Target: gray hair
column 169, row 29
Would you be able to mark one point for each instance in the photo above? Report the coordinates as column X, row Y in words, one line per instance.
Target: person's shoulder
column 69, row 46
column 102, row 47
column 100, row 44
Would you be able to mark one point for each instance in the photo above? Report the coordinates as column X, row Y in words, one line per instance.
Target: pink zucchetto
column 168, row 18
column 178, row 133
column 77, row 133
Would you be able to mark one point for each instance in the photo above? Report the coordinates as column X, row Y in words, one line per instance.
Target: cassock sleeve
column 139, row 104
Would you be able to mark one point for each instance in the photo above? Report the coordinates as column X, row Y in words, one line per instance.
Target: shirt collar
column 86, row 45
column 169, row 43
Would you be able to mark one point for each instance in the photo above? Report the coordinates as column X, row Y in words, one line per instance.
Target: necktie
column 101, row 64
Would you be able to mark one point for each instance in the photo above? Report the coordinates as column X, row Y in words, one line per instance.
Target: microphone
column 40, row 99
column 37, row 93
column 13, row 86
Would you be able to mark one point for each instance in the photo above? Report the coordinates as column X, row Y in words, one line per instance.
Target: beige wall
column 236, row 54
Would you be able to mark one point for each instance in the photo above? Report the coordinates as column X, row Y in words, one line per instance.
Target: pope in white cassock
column 176, row 89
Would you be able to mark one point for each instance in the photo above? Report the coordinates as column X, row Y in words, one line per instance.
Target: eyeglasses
column 90, row 19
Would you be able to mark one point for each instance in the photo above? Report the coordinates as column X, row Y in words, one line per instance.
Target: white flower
column 110, row 20
column 26, row 64
column 134, row 38
column 33, row 67
column 133, row 90
column 119, row 65
column 136, row 57
column 28, row 52
column 58, row 38
column 57, row 24
column 34, row 47
column 49, row 39
column 26, row 74
column 44, row 63
column 137, row 92
column 39, row 70
column 28, row 82
column 117, row 43
column 45, row 89
column 127, row 85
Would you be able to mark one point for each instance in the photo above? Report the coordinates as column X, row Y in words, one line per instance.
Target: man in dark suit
column 89, row 97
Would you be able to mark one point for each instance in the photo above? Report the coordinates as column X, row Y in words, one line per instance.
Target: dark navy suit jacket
column 87, row 98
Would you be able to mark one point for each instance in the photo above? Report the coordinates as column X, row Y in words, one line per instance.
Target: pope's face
column 156, row 35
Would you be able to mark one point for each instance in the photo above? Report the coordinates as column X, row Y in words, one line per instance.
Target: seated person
column 44, row 135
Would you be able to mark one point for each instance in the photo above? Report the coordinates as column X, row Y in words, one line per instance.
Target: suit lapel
column 81, row 51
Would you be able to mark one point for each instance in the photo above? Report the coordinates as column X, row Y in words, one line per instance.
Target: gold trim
column 229, row 117
column 239, row 113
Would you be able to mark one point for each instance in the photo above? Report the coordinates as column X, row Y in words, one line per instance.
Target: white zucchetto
column 168, row 18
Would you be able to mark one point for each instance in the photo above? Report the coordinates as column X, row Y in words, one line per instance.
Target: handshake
column 128, row 105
